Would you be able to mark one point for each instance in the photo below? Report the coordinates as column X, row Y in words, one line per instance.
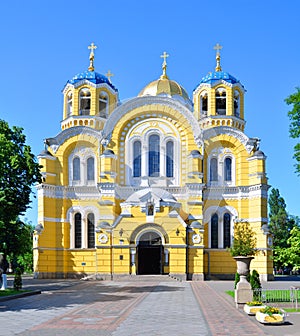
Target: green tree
column 279, row 220
column 19, row 171
column 294, row 116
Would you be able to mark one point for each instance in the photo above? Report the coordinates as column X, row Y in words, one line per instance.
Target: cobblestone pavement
column 159, row 306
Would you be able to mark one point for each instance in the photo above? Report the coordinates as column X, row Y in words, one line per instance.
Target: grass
column 8, row 292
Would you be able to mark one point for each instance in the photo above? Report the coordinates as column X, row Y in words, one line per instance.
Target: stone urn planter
column 271, row 315
column 243, row 265
column 251, row 308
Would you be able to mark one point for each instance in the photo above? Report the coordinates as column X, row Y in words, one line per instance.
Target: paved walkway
column 154, row 307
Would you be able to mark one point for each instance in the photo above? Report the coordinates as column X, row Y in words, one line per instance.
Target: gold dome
column 164, row 86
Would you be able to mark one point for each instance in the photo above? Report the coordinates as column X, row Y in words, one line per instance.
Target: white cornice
column 68, row 133
column 62, row 192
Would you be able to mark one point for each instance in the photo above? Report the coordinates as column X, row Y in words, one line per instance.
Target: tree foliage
column 244, row 240
column 284, row 229
column 294, row 116
column 279, row 220
column 19, row 171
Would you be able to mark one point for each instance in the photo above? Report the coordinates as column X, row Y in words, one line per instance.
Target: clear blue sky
column 44, row 43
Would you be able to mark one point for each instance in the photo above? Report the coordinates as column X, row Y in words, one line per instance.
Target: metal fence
column 291, row 295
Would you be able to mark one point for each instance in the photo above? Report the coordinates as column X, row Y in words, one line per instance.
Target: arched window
column 90, row 169
column 137, row 159
column 221, row 101
column 226, row 230
column 204, row 103
column 76, row 169
column 77, row 230
column 85, row 102
column 153, row 157
column 213, row 169
column 170, row 159
column 236, row 103
column 228, row 169
column 103, row 104
column 69, row 103
column 214, row 238
column 91, row 230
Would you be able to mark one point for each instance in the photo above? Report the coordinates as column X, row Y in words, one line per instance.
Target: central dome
column 166, row 87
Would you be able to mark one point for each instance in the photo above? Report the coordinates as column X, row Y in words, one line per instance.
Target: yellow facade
column 153, row 185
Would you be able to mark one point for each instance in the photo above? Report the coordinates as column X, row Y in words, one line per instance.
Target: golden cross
column 92, row 47
column 218, row 47
column 164, row 65
column 109, row 75
column 164, row 56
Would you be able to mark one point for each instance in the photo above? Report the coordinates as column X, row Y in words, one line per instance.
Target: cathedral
column 152, row 185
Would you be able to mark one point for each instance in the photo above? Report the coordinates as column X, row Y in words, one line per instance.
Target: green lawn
column 8, row 292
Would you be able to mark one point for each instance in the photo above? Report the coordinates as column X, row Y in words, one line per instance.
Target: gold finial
column 109, row 75
column 218, row 47
column 92, row 47
column 164, row 65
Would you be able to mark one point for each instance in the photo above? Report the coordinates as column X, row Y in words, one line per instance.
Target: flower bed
column 271, row 315
column 251, row 308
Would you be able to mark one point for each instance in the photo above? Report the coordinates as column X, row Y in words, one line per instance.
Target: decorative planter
column 252, row 310
column 243, row 265
column 271, row 319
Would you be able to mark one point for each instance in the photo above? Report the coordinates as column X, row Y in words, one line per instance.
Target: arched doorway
column 149, row 253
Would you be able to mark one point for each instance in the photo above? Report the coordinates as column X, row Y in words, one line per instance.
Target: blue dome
column 218, row 75
column 91, row 76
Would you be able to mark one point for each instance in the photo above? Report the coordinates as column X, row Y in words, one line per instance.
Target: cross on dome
column 164, row 65
column 109, row 75
column 92, row 47
column 218, row 47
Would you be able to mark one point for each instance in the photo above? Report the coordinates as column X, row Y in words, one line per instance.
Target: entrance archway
column 149, row 253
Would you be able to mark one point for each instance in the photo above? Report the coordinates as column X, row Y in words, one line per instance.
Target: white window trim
column 83, row 211
column 220, row 211
column 104, row 93
column 83, row 154
column 144, row 139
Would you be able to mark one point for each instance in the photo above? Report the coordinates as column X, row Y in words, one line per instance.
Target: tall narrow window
column 221, row 101
column 137, row 159
column 214, row 231
column 213, row 169
column 154, row 147
column 85, row 102
column 228, row 169
column 226, row 230
column 90, row 169
column 69, row 103
column 236, row 103
column 204, row 104
column 91, row 230
column 170, row 159
column 103, row 106
column 76, row 169
column 77, row 230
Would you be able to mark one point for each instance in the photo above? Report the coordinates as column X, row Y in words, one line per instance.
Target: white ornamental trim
column 249, row 143
column 61, row 192
column 132, row 104
column 68, row 133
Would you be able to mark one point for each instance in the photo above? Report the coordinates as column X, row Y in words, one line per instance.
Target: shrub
column 244, row 240
column 254, row 280
column 18, row 279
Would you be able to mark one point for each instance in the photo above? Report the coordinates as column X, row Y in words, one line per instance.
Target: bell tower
column 89, row 97
column 219, row 98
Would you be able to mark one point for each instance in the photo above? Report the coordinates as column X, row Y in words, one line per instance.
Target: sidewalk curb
column 17, row 296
